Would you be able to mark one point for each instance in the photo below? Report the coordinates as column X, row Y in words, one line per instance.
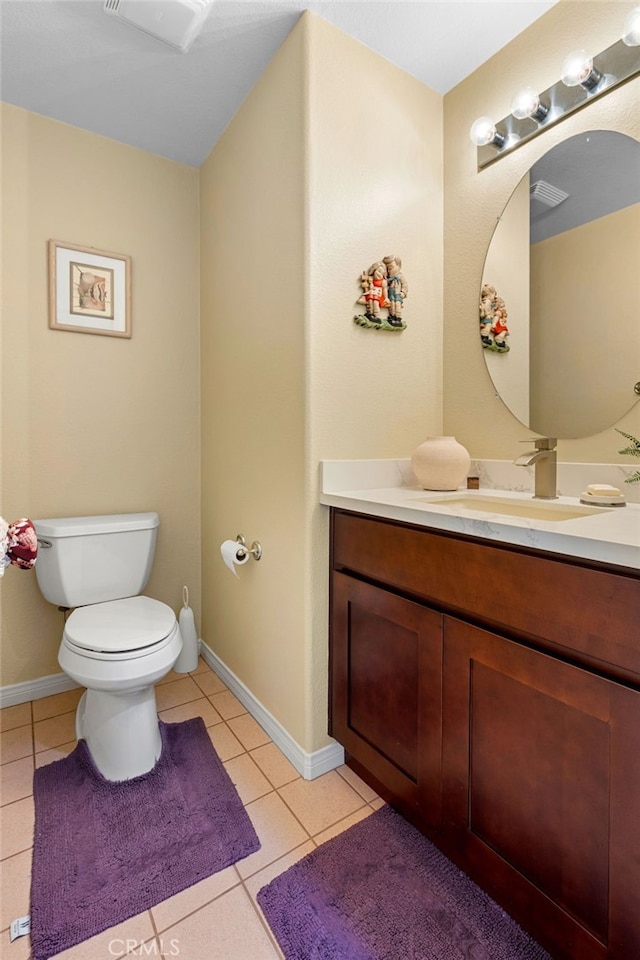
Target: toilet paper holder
column 255, row 550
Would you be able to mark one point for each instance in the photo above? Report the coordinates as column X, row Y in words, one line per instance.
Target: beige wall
column 253, row 388
column 374, row 188
column 298, row 197
column 95, row 424
column 590, row 325
column 473, row 201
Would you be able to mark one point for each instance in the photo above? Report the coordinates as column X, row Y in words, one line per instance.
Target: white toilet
column 115, row 643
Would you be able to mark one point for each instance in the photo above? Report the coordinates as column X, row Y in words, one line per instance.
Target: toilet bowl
column 118, row 650
column 116, row 642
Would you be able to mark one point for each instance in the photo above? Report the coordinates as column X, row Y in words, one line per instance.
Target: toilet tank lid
column 89, row 526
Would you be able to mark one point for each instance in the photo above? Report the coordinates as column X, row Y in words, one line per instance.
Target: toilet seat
column 120, row 629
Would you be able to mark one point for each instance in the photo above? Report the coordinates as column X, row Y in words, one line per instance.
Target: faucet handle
column 542, row 443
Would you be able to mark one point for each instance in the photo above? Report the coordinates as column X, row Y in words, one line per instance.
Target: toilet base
column 121, row 731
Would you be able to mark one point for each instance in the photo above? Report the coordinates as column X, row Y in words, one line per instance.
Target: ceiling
column 68, row 60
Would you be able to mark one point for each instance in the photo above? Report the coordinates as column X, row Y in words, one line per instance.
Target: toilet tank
column 83, row 560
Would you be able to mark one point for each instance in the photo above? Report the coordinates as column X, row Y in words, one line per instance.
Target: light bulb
column 578, row 70
column 483, row 131
column 631, row 29
column 527, row 103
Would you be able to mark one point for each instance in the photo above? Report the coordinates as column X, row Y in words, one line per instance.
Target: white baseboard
column 308, row 765
column 35, row 689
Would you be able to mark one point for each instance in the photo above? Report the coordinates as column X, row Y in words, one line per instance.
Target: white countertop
column 610, row 535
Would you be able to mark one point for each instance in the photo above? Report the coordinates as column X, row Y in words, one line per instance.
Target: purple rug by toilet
column 105, row 851
column 382, row 891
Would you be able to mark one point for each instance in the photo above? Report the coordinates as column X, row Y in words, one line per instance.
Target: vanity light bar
column 614, row 66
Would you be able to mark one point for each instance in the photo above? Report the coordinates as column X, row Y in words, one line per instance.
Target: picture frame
column 89, row 290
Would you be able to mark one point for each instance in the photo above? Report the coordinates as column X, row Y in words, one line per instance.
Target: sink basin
column 530, row 509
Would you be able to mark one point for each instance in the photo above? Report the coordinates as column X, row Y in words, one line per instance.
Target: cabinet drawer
column 586, row 611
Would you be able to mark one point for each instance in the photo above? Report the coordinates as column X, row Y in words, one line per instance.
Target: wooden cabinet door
column 386, row 691
column 541, row 791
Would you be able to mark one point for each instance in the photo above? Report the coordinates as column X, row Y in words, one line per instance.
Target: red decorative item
column 22, row 544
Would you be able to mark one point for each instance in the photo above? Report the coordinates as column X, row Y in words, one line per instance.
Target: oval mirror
column 560, row 297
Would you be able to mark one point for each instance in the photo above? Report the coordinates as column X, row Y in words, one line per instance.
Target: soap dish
column 604, row 500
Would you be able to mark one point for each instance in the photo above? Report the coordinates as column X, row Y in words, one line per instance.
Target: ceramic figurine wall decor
column 493, row 320
column 374, row 291
column 383, row 288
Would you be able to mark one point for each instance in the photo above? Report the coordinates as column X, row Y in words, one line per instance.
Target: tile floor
column 217, row 919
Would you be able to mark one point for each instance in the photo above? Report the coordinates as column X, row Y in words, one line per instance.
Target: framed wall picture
column 89, row 290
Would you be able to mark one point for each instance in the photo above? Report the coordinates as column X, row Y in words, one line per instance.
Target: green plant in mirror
column 633, row 450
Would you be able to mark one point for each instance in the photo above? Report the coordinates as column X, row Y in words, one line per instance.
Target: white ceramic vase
column 440, row 463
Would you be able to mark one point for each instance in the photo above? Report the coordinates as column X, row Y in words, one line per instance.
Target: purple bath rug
column 105, row 851
column 382, row 891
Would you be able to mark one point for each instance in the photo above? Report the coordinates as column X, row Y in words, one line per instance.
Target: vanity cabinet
column 492, row 694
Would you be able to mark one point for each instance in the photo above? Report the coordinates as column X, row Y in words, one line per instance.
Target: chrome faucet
column 544, row 459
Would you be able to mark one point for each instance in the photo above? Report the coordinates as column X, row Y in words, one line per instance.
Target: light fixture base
column 617, row 64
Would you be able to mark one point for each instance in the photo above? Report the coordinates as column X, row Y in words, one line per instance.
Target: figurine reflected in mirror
column 493, row 320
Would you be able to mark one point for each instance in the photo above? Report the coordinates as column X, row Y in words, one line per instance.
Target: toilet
column 115, row 643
